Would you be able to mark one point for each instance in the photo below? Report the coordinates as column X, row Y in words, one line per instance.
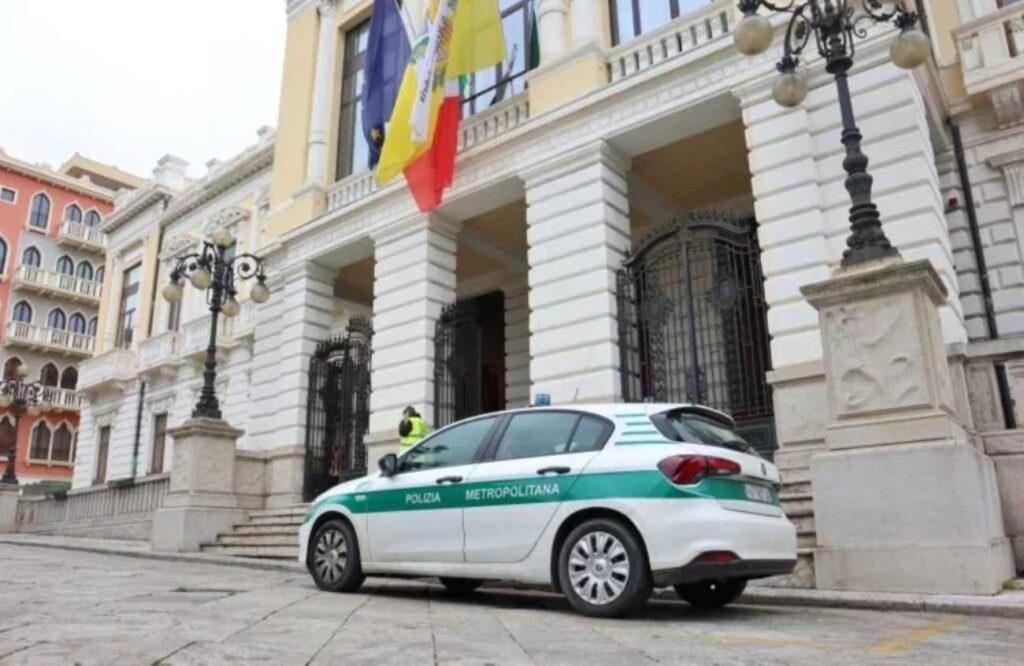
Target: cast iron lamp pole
column 212, row 271
column 23, row 397
column 834, row 24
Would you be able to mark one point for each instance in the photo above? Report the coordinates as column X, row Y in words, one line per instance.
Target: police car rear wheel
column 711, row 594
column 334, row 561
column 461, row 585
column 602, row 569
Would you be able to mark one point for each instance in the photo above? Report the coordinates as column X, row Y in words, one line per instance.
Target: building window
column 69, row 378
column 156, row 464
column 65, row 266
column 57, row 320
column 506, row 79
column 93, row 325
column 128, row 313
column 62, row 439
column 77, row 324
column 173, row 315
column 84, row 270
column 39, row 448
column 92, row 219
column 6, row 434
column 49, row 375
column 73, row 213
column 39, row 215
column 3, row 255
column 22, row 312
column 11, row 366
column 632, row 18
column 8, row 195
column 100, row 272
column 31, row 257
column 102, row 448
column 353, row 152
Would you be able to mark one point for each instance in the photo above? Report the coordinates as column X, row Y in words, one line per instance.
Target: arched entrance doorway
column 692, row 321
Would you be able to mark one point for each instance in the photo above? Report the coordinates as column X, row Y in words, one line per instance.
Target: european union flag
column 387, row 55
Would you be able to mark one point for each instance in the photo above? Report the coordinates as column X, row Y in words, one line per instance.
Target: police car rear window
column 681, row 425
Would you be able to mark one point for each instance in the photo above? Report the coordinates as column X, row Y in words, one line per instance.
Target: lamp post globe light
column 834, row 25
column 213, row 271
column 20, row 397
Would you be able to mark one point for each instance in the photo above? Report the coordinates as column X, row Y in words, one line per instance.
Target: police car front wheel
column 334, row 560
column 603, row 570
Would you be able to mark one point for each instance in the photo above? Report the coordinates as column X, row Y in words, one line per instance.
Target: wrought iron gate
column 338, row 409
column 692, row 321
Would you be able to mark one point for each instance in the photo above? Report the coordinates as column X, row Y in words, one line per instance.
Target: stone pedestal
column 8, row 508
column 902, row 500
column 201, row 502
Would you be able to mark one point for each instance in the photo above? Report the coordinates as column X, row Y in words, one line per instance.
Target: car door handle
column 554, row 470
column 449, row 479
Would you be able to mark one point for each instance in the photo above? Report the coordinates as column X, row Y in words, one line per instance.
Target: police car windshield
column 681, row 425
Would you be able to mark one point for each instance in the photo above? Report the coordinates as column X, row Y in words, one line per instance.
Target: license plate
column 757, row 493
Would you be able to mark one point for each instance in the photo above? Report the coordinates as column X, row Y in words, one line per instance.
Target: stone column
column 9, row 493
column 414, row 278
column 320, row 113
column 902, row 500
column 578, row 232
column 551, row 26
column 586, row 23
column 201, row 502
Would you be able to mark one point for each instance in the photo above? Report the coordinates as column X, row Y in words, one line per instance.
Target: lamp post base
column 8, row 508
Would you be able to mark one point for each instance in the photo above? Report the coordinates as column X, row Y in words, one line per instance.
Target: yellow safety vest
column 418, row 432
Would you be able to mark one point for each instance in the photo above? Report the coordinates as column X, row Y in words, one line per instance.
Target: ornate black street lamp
column 21, row 397
column 213, row 271
column 834, row 24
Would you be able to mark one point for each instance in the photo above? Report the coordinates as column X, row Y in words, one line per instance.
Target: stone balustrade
column 59, row 284
column 991, row 52
column 195, row 335
column 113, row 367
column 158, row 350
column 49, row 339
column 82, row 236
column 55, row 398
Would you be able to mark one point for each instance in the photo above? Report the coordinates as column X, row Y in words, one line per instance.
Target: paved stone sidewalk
column 63, row 607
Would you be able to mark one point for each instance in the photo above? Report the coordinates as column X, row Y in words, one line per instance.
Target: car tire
column 333, row 559
column 711, row 594
column 603, row 570
column 461, row 586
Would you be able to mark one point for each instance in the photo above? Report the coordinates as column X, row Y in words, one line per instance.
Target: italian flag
column 460, row 37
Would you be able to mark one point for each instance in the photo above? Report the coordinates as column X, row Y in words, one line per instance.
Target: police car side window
column 537, row 434
column 590, row 435
column 455, row 446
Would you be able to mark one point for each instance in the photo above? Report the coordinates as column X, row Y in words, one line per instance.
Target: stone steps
column 266, row 534
column 258, row 540
column 290, row 553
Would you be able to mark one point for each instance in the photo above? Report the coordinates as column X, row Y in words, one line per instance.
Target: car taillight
column 716, row 557
column 687, row 470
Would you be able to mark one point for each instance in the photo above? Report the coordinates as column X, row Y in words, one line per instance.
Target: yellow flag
column 478, row 42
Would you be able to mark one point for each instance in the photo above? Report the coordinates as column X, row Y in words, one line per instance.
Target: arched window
column 73, row 213
column 57, row 320
column 69, row 378
column 99, row 274
column 3, row 255
column 65, row 266
column 92, row 219
column 77, row 323
column 61, row 451
column 93, row 325
column 6, row 434
column 39, row 215
column 40, row 449
column 49, row 375
column 11, row 366
column 84, row 270
column 22, row 312
column 31, row 257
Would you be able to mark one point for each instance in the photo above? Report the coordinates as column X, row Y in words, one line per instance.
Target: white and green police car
column 604, row 502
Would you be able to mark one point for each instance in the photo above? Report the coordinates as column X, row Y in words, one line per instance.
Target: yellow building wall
column 150, row 271
column 943, row 17
column 107, row 297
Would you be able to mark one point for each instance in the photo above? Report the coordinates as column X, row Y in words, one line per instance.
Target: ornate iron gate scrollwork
column 692, row 321
column 338, row 409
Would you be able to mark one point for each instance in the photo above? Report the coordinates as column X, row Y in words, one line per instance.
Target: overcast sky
column 127, row 81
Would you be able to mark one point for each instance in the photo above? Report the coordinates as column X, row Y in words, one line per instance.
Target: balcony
column 159, row 353
column 82, row 236
column 195, row 336
column 57, row 284
column 992, row 57
column 112, row 369
column 53, row 398
column 41, row 338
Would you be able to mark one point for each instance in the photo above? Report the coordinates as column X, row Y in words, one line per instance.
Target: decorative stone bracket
column 1012, row 166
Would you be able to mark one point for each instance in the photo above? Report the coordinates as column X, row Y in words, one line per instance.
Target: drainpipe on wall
column 138, row 429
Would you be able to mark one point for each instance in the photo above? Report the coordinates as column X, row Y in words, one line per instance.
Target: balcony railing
column 158, row 351
column 682, row 35
column 82, row 235
column 113, row 367
column 53, row 397
column 195, row 335
column 57, row 283
column 992, row 49
column 50, row 339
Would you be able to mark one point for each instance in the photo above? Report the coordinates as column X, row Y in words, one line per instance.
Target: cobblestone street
column 72, row 607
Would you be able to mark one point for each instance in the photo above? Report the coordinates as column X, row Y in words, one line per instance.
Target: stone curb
column 999, row 606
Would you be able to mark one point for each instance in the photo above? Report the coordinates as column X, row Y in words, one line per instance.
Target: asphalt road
column 64, row 607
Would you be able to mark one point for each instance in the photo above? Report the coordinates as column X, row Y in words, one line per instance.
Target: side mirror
column 388, row 465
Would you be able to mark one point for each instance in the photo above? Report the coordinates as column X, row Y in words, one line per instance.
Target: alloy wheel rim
column 331, row 556
column 598, row 568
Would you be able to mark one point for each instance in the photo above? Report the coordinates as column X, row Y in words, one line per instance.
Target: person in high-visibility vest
column 412, row 428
